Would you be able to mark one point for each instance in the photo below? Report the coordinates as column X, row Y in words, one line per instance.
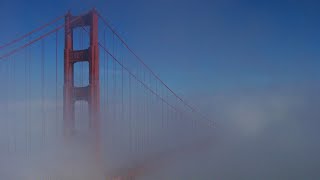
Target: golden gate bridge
column 75, row 81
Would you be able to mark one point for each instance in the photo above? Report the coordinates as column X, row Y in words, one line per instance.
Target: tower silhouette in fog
column 91, row 92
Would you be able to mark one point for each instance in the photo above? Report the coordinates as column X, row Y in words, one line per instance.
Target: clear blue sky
column 207, row 45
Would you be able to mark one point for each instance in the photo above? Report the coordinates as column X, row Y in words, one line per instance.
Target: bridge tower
column 90, row 92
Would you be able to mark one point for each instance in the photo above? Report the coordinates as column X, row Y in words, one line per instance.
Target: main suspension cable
column 147, row 67
column 31, row 32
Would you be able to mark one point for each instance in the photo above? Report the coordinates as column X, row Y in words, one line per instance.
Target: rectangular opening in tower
column 81, row 116
column 81, row 74
column 81, row 38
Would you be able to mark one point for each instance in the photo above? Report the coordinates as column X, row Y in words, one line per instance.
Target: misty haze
column 159, row 90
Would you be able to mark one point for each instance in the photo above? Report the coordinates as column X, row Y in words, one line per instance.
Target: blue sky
column 253, row 66
column 207, row 46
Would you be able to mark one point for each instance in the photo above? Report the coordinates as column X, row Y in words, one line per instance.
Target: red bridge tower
column 91, row 92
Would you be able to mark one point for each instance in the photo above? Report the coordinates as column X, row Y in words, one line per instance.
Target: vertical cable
column 147, row 115
column 162, row 109
column 149, row 112
column 167, row 124
column 114, row 83
column 42, row 91
column 107, row 84
column 5, row 75
column 130, row 114
column 135, row 119
column 144, row 111
column 166, row 114
column 29, row 98
column 138, row 126
column 56, row 114
column 26, row 99
column 2, row 107
column 113, row 105
column 122, row 99
column 8, row 94
column 104, row 70
column 12, row 88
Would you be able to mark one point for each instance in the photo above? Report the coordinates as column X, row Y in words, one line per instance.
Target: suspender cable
column 107, row 83
column 162, row 110
column 122, row 99
column 29, row 98
column 26, row 97
column 130, row 114
column 114, row 84
column 167, row 125
column 10, row 105
column 56, row 114
column 42, row 90
column 7, row 99
column 122, row 83
column 9, row 102
column 104, row 71
column 143, row 115
column 113, row 105
column 30, row 86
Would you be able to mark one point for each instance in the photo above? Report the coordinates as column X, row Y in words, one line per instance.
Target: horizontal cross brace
column 79, row 55
column 79, row 22
column 81, row 93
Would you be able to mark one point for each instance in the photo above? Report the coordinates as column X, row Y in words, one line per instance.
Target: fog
column 251, row 67
column 259, row 134
column 263, row 134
